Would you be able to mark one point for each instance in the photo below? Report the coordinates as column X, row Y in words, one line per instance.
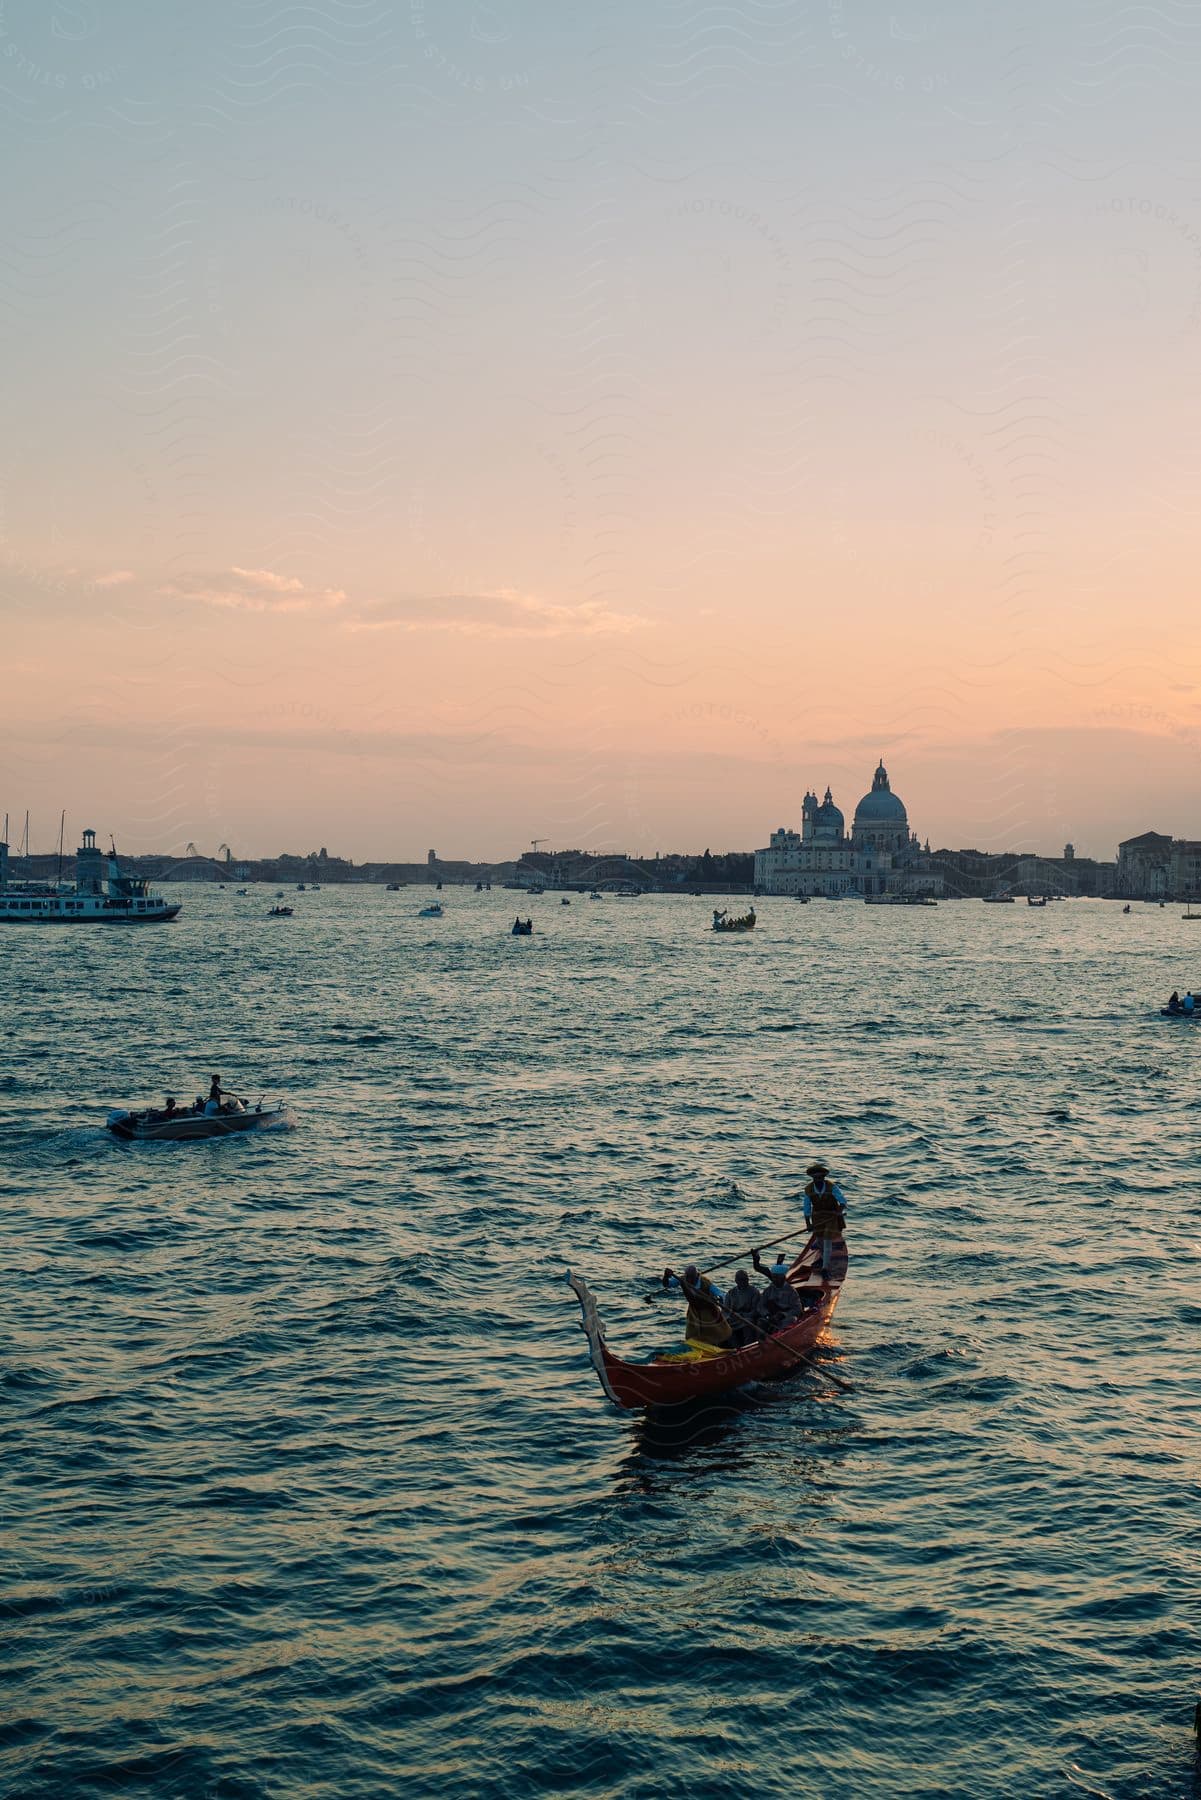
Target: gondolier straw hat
column 817, row 1168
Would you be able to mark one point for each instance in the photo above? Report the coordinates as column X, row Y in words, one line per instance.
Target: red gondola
column 660, row 1383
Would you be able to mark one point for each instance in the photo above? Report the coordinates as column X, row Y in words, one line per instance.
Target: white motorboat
column 158, row 1125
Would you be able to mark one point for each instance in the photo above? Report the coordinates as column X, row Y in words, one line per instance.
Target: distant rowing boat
column 745, row 923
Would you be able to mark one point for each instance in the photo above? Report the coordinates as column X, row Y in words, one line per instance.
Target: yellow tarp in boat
column 696, row 1352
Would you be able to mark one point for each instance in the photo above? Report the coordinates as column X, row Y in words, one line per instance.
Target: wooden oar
column 821, row 1369
column 805, row 1229
column 713, row 1267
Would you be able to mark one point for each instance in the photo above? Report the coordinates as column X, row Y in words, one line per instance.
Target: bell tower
column 89, row 866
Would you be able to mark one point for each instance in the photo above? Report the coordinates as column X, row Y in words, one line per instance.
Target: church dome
column 881, row 806
column 829, row 815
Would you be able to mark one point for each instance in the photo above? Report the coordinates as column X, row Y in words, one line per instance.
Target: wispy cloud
column 498, row 612
column 114, row 578
column 254, row 590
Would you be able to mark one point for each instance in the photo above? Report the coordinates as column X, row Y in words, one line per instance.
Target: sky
column 441, row 425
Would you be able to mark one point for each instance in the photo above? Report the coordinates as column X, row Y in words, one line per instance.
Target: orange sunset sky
column 454, row 425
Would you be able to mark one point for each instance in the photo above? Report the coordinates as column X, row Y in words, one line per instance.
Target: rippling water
column 309, row 1488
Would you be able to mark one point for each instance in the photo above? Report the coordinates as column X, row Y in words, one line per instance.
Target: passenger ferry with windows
column 100, row 895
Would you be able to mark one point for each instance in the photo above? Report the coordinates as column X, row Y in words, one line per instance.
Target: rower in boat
column 1174, row 1005
column 825, row 1211
column 706, row 1322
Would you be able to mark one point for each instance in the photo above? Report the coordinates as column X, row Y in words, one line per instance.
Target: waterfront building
column 971, row 874
column 880, row 855
column 1144, row 866
column 1184, row 869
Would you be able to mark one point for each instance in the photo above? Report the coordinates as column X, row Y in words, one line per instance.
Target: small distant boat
column 1190, row 914
column 801, row 899
column 536, row 890
column 746, row 921
column 394, row 887
column 1126, row 908
column 153, row 1124
column 479, row 887
column 430, row 912
column 595, row 896
column 523, row 928
column 1180, row 1012
column 1031, row 901
column 998, row 899
column 280, row 912
column 899, row 900
column 565, row 901
column 300, row 887
column 242, row 893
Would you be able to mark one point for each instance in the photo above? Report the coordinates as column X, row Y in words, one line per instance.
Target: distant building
column 1184, row 869
column 972, row 874
column 880, row 856
column 1144, row 866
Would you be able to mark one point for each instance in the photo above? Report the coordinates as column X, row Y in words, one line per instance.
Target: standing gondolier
column 825, row 1211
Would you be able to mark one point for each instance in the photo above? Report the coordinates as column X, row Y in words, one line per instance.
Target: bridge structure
column 187, row 868
column 605, row 874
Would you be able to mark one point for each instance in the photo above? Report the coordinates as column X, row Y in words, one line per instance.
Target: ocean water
column 308, row 1487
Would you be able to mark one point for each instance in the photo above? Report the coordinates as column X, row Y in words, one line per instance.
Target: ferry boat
column 100, row 895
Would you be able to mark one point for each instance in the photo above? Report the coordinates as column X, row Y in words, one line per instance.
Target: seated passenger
column 1188, row 1002
column 781, row 1304
column 780, row 1266
column 742, row 1304
column 1174, row 1001
column 169, row 1109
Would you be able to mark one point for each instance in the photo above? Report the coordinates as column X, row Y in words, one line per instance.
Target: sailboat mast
column 62, row 826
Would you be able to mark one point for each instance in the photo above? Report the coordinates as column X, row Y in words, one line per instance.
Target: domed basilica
column 881, row 855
